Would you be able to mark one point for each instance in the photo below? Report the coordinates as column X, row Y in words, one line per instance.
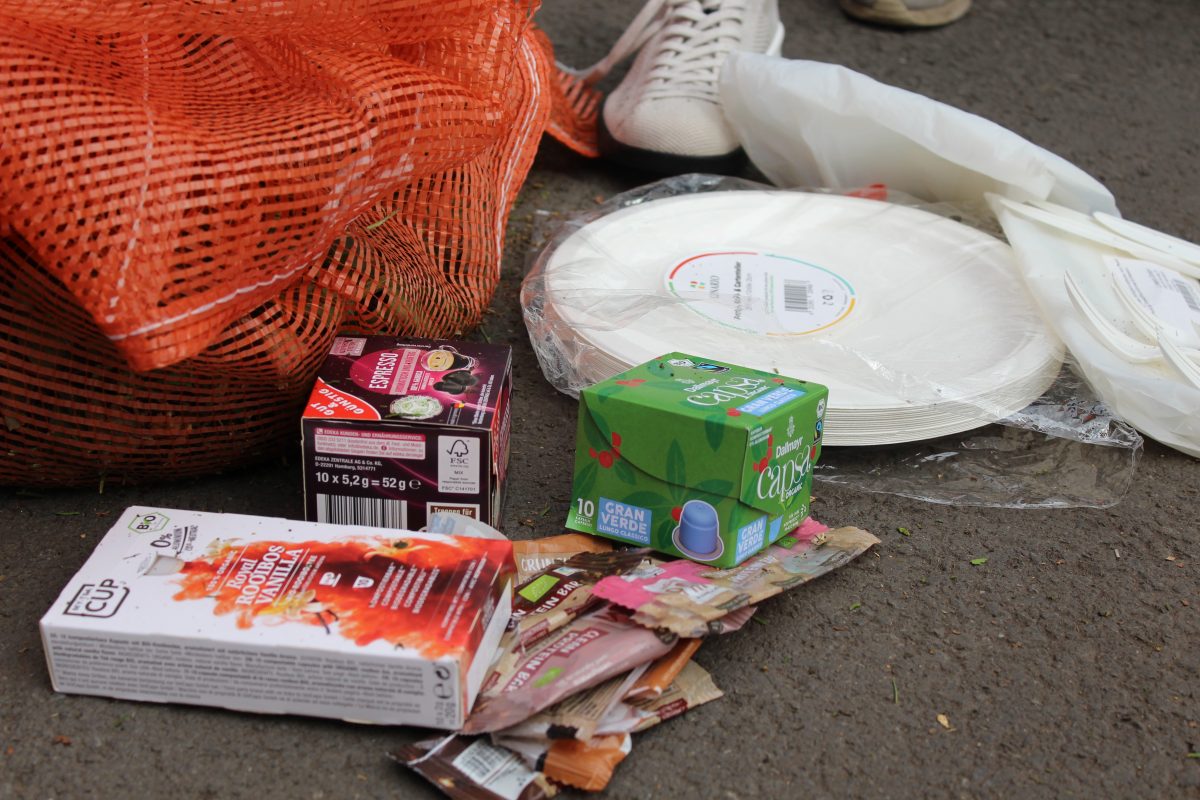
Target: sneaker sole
column 895, row 13
column 730, row 163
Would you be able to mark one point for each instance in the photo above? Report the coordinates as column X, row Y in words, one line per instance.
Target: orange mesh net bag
column 196, row 197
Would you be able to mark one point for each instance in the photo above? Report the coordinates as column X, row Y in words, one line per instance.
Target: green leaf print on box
column 586, row 479
column 676, row 471
column 714, row 430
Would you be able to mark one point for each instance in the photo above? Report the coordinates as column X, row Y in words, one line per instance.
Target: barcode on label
column 797, row 296
column 1188, row 294
column 500, row 772
column 377, row 511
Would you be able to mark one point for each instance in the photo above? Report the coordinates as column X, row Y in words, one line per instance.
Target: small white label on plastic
column 1167, row 295
column 762, row 293
column 458, row 464
column 498, row 770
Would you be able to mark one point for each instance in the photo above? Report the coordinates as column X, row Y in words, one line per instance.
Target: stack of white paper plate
column 920, row 325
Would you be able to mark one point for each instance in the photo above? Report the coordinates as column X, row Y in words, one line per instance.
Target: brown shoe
column 907, row 13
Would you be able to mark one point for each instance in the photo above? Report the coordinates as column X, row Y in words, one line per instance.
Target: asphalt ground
column 1065, row 666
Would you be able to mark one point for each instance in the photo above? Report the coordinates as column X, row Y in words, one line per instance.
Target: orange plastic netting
column 196, row 197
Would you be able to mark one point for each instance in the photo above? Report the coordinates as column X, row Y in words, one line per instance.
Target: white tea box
column 283, row 617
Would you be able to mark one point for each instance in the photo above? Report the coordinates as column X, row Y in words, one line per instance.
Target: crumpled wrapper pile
column 599, row 648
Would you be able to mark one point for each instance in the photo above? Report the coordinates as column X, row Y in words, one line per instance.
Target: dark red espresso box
column 397, row 429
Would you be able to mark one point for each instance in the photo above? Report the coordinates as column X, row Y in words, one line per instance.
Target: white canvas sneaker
column 907, row 13
column 666, row 115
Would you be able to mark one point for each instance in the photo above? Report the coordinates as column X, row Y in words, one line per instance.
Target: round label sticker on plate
column 762, row 293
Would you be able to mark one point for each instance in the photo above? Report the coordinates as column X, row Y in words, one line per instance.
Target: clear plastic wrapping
column 945, row 383
column 1064, row 450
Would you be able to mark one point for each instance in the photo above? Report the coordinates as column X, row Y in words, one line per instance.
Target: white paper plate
column 907, row 316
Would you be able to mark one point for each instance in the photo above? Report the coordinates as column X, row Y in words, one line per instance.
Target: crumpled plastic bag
column 805, row 123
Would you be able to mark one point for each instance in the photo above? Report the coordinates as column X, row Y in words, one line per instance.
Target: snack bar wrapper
column 474, row 769
column 588, row 651
column 589, row 765
column 663, row 672
column 562, row 592
column 578, row 715
column 685, row 598
column 693, row 687
column 535, row 555
column 583, row 765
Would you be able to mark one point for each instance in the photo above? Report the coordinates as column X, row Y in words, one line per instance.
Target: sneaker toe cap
column 678, row 125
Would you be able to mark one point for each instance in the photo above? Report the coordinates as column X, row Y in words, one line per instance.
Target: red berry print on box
column 606, row 458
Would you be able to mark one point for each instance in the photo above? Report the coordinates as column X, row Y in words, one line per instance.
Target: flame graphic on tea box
column 380, row 591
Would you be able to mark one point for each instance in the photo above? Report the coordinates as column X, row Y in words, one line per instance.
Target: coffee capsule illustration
column 698, row 535
column 439, row 360
column 462, row 376
column 446, row 358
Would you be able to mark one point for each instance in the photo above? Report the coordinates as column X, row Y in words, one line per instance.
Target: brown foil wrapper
column 582, row 765
column 562, row 592
column 475, row 769
column 588, row 651
column 577, row 716
column 589, row 765
column 693, row 687
column 533, row 556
